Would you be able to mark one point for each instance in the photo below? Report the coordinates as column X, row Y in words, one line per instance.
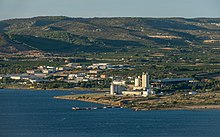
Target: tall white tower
column 145, row 81
column 112, row 89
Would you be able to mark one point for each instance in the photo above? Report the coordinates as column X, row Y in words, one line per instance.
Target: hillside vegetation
column 61, row 34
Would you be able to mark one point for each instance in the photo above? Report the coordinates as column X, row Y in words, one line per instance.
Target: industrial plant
column 141, row 86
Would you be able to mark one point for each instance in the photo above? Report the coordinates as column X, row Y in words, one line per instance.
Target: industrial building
column 132, row 93
column 142, row 82
column 141, row 86
column 117, row 87
column 159, row 83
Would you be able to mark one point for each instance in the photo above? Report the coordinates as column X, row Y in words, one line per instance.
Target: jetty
column 94, row 108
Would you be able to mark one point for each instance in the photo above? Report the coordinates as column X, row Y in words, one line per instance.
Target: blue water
column 26, row 113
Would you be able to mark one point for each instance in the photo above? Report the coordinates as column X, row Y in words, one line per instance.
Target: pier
column 94, row 108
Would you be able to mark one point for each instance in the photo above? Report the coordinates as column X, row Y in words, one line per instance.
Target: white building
column 192, row 93
column 112, row 89
column 59, row 68
column 145, row 81
column 116, row 89
column 101, row 66
column 148, row 92
column 14, row 77
column 137, row 81
column 40, row 75
column 72, row 65
column 119, row 82
column 46, row 71
column 30, row 71
column 142, row 82
column 141, row 86
column 72, row 76
column 132, row 93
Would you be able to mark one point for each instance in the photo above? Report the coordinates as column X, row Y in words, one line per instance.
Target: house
column 79, row 67
column 48, row 71
column 79, row 79
column 94, row 71
column 75, row 60
column 41, row 67
column 192, row 93
column 19, row 77
column 41, row 75
column 59, row 68
column 103, row 76
column 93, row 74
column 101, row 66
column 72, row 65
column 45, row 71
column 30, row 71
column 37, row 80
column 16, row 77
column 119, row 82
column 72, row 76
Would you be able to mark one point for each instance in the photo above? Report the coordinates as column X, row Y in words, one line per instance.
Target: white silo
column 137, row 82
column 112, row 89
column 145, row 81
column 148, row 80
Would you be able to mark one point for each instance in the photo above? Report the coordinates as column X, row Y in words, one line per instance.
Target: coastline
column 62, row 89
column 101, row 97
column 118, row 102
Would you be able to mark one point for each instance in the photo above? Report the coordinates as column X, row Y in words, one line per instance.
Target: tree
column 193, row 88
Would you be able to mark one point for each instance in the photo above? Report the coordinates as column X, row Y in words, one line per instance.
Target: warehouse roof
column 167, row 80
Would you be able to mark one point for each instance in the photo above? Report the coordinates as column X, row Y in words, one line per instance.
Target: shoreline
column 62, row 89
column 101, row 97
column 216, row 107
column 140, row 108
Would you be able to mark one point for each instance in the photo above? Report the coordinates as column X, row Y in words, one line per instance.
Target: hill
column 59, row 34
column 9, row 46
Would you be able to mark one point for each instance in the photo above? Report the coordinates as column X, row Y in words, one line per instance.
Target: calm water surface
column 26, row 113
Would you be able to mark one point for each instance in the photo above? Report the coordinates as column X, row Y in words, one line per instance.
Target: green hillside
column 61, row 34
column 7, row 45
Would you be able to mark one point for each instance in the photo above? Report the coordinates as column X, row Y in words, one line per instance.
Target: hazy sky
column 109, row 8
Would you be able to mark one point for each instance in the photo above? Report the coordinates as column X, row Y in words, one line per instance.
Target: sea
column 31, row 113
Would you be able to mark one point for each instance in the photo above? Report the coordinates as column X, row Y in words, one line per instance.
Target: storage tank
column 145, row 80
column 137, row 82
column 112, row 89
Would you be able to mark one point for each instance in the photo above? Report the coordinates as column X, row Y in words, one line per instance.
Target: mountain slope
column 62, row 34
column 9, row 46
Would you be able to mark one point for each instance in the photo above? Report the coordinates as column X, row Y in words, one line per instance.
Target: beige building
column 145, row 81
column 142, row 82
column 137, row 81
column 132, row 93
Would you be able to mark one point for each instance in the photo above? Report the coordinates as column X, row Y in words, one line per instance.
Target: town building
column 30, row 71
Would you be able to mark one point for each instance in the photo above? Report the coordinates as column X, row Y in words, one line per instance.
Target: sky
column 109, row 8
